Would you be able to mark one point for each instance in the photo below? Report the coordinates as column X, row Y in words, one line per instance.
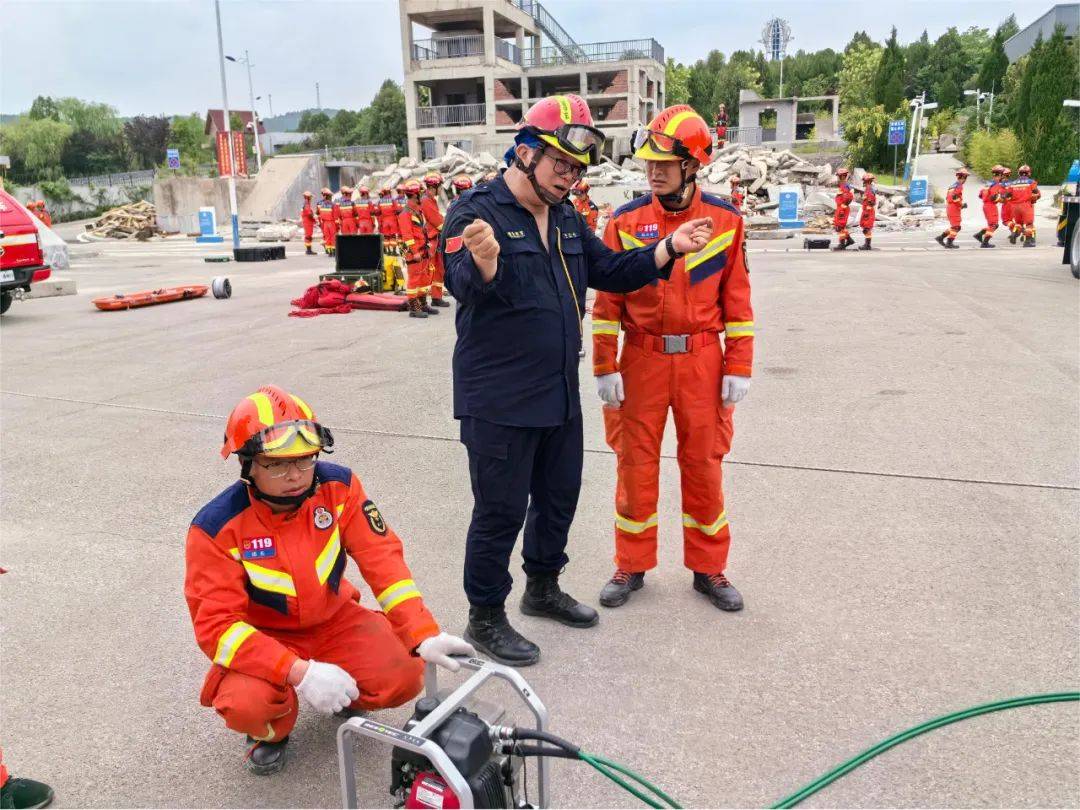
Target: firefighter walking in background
column 844, row 198
column 1023, row 193
column 433, row 219
column 991, row 195
column 414, row 242
column 954, row 204
column 737, row 196
column 584, row 205
column 347, row 212
column 328, row 221
column 461, row 184
column 869, row 210
column 365, row 211
column 307, row 219
column 672, row 359
column 386, row 214
column 721, row 124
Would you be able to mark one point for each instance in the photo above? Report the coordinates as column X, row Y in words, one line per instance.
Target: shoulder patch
column 230, row 503
column 325, row 472
column 720, row 202
column 633, row 205
column 374, row 518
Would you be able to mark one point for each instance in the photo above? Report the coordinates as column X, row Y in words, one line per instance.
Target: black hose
column 520, row 750
column 543, row 736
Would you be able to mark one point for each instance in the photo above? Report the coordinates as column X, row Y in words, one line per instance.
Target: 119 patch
column 257, row 548
column 374, row 518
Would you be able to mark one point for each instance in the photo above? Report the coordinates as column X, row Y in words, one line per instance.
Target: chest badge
column 258, row 548
column 374, row 518
column 649, row 231
column 323, row 518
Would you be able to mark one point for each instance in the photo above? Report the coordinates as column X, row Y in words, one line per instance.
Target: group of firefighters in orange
column 1016, row 199
column 37, row 208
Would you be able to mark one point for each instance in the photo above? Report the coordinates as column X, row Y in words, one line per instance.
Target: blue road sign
column 173, row 156
column 918, row 191
column 897, row 133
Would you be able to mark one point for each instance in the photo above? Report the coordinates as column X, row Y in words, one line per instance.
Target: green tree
column 1048, row 133
column 857, row 74
column 44, row 107
column 865, row 130
column 147, row 138
column 385, row 123
column 35, row 147
column 916, row 63
column 735, row 76
column 949, row 69
column 860, row 38
column 975, row 43
column 993, row 66
column 700, row 83
column 187, row 133
column 889, row 77
column 313, row 121
column 677, row 82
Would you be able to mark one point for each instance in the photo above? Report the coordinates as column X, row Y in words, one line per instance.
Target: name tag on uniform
column 650, row 231
column 516, row 234
column 258, row 548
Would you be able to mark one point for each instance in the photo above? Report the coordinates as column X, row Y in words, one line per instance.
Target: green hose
column 603, row 765
column 892, row 742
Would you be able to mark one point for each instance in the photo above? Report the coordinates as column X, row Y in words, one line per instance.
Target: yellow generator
column 393, row 267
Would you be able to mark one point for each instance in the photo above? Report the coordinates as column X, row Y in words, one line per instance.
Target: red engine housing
column 429, row 790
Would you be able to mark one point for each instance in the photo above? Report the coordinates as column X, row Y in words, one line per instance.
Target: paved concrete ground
column 903, row 492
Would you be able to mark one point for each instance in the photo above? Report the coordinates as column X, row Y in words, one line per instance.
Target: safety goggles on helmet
column 299, row 437
column 577, row 140
column 660, row 143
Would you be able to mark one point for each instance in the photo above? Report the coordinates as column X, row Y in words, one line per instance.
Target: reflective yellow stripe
column 673, row 124
column 410, row 241
column 302, row 405
column 397, row 593
column 720, row 243
column 266, row 409
column 267, row 579
column 629, row 242
column 633, row 526
column 230, row 642
column 711, row 529
column 605, row 327
column 324, row 563
column 234, row 553
column 736, row 329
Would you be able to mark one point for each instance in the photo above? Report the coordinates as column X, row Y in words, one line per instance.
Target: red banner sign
column 239, row 154
column 224, row 155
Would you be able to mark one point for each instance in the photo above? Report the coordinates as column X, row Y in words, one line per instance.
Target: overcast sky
column 160, row 56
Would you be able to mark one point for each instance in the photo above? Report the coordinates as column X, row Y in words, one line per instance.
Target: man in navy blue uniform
column 518, row 260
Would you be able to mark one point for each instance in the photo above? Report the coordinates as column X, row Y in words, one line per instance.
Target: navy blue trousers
column 529, row 476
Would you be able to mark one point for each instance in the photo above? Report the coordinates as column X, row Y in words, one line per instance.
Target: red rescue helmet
column 274, row 423
column 327, row 192
column 565, row 123
column 411, row 188
column 1006, row 171
column 842, row 172
column 677, row 133
column 869, row 177
column 580, row 187
column 308, row 194
column 962, row 172
column 434, row 180
column 364, row 191
column 735, row 179
column 385, row 191
column 400, row 188
column 462, row 182
column 1025, row 169
column 346, row 189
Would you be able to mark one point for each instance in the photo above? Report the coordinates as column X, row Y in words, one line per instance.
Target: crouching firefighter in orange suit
column 328, row 220
column 269, row 602
column 433, row 220
column 413, row 230
column 672, row 358
column 844, row 198
column 307, row 219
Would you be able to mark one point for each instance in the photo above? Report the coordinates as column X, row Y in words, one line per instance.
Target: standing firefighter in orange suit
column 737, row 197
column 365, row 212
column 844, row 198
column 267, row 594
column 990, row 194
column 1023, row 193
column 1007, row 218
column 307, row 219
column 328, row 220
column 584, row 205
column 869, row 210
column 672, row 358
column 387, row 211
column 433, row 219
column 413, row 229
column 347, row 212
column 954, row 204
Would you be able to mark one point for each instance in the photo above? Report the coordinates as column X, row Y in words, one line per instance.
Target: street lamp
column 228, row 131
column 246, row 60
column 979, row 96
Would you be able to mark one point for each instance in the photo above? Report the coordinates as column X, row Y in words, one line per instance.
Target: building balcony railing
column 596, row 52
column 425, row 50
column 451, row 115
column 508, row 51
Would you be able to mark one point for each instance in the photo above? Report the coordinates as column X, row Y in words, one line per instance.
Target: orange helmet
column 1006, row 171
column 735, row 179
column 842, row 172
column 869, row 177
column 364, row 191
column 385, row 191
column 308, row 194
column 580, row 187
column 1025, row 169
column 31, row 205
column 411, row 188
column 433, row 179
column 346, row 189
column 462, row 182
column 962, row 172
column 566, row 123
column 400, row 188
column 677, row 133
column 274, row 423
column 327, row 192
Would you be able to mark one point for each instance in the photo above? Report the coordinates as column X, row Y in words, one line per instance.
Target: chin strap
column 677, row 198
column 278, row 500
column 530, row 172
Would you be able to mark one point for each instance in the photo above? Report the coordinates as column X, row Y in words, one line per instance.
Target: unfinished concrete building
column 472, row 68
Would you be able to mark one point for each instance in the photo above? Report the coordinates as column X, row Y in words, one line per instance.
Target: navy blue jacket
column 516, row 358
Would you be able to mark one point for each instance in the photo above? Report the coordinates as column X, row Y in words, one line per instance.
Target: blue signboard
column 173, row 156
column 787, row 212
column 897, row 133
column 918, row 191
column 208, row 226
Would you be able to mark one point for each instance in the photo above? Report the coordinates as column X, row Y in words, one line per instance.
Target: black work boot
column 1029, row 241
column 865, row 245
column 850, row 242
column 490, row 632
column 426, row 307
column 620, row 586
column 1013, row 237
column 986, row 243
column 440, row 302
column 951, row 244
column 414, row 309
column 543, row 597
column 978, row 235
column 309, row 251
column 19, row 793
column 841, row 245
column 940, row 238
column 720, row 592
column 265, row 758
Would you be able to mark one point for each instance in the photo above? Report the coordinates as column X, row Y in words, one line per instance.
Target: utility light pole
column 225, row 113
column 254, row 115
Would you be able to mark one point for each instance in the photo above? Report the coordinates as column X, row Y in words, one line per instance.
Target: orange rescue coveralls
column 1023, row 193
column 307, row 218
column 264, row 589
column 328, row 220
column 954, row 202
column 869, row 212
column 588, row 210
column 844, row 197
column 387, row 212
column 433, row 218
column 413, row 231
column 708, row 293
column 991, row 194
column 365, row 212
column 347, row 215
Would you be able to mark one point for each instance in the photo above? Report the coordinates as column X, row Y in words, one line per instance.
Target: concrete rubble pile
column 134, row 221
column 454, row 163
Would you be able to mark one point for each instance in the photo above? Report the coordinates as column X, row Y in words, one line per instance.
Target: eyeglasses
column 280, row 468
column 564, row 167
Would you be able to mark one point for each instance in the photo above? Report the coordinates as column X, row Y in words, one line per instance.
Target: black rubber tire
column 5, row 301
column 221, row 287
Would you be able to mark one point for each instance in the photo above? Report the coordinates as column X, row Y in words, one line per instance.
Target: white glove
column 438, row 649
column 733, row 388
column 610, row 389
column 327, row 687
